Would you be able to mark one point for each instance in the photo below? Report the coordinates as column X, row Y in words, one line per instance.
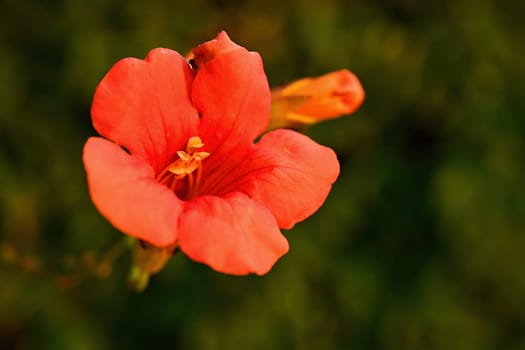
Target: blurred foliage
column 419, row 246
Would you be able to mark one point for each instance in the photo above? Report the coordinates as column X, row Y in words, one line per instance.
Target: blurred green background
column 419, row 246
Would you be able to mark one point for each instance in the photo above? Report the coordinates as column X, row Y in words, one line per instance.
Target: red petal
column 144, row 105
column 287, row 172
column 218, row 46
column 231, row 92
column 124, row 190
column 232, row 234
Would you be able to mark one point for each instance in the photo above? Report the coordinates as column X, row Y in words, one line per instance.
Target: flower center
column 184, row 174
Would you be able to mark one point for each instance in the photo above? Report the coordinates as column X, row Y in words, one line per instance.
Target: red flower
column 181, row 168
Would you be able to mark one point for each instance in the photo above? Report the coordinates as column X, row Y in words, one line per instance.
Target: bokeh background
column 419, row 246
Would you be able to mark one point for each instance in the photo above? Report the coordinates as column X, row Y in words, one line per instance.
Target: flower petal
column 231, row 92
column 210, row 49
column 144, row 105
column 287, row 172
column 232, row 234
column 124, row 190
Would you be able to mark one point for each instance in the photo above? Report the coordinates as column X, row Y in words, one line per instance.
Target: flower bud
column 311, row 100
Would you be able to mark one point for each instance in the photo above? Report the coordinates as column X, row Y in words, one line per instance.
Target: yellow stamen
column 194, row 143
column 189, row 161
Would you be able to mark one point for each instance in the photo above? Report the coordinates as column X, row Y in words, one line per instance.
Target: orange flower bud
column 311, row 100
